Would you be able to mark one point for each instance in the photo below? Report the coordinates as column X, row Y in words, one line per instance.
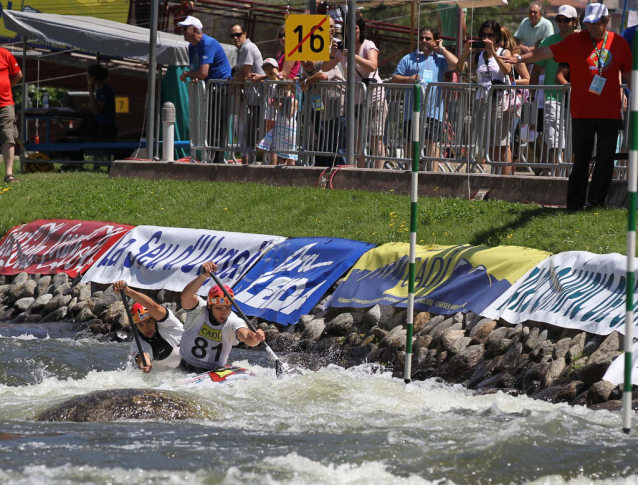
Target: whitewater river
column 334, row 426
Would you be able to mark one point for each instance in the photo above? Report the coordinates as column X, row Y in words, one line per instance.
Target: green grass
column 295, row 212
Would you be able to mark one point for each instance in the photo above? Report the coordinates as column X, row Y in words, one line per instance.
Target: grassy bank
column 296, row 212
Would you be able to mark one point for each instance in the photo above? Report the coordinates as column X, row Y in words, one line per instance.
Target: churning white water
column 335, row 426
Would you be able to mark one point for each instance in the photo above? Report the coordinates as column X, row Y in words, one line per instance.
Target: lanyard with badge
column 599, row 81
column 427, row 74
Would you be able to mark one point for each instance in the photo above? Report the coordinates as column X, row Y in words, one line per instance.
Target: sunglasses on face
column 483, row 35
column 562, row 20
column 236, row 35
column 282, row 35
column 427, row 38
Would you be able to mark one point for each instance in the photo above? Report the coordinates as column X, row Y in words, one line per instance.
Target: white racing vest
column 170, row 329
column 205, row 344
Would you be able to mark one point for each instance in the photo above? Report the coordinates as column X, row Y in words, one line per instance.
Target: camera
column 341, row 44
column 478, row 44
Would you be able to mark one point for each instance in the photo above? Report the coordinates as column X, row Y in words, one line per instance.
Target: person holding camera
column 491, row 70
column 366, row 72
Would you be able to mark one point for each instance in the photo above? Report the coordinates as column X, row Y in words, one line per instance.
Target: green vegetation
column 297, row 212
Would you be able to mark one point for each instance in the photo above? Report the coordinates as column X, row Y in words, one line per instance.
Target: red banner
column 57, row 246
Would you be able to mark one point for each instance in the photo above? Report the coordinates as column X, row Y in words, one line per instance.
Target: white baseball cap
column 270, row 61
column 567, row 11
column 191, row 21
column 594, row 12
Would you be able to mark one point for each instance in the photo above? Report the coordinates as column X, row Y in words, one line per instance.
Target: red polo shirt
column 578, row 51
column 8, row 67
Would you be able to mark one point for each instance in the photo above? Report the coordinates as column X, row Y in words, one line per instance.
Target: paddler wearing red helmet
column 160, row 330
column 211, row 329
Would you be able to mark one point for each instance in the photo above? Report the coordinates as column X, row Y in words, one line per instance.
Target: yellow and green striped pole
column 416, row 151
column 631, row 245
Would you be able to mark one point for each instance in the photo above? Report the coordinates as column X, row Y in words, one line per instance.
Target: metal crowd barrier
column 449, row 127
column 464, row 127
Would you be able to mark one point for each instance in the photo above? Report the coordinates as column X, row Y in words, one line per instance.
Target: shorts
column 433, row 129
column 500, row 121
column 8, row 126
column 554, row 127
column 377, row 113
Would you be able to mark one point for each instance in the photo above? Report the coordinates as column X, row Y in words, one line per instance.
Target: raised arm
column 157, row 311
column 189, row 293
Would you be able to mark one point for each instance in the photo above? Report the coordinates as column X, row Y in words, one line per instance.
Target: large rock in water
column 114, row 404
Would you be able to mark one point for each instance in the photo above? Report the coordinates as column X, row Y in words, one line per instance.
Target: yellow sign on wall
column 121, row 104
column 307, row 38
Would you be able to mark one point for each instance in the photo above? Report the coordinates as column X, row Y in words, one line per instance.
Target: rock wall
column 535, row 359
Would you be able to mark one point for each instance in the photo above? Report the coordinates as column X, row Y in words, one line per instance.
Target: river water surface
column 335, row 426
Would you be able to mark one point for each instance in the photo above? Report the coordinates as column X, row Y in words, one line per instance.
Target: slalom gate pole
column 631, row 246
column 416, row 125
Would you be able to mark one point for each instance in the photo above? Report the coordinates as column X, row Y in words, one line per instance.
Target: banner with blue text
column 293, row 276
column 449, row 279
column 575, row 289
column 155, row 257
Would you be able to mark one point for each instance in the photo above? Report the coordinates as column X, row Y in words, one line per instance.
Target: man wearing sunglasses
column 533, row 29
column 554, row 121
column 427, row 64
column 597, row 58
column 208, row 61
column 249, row 61
column 160, row 330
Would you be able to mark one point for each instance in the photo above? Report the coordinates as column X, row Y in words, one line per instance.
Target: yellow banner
column 448, row 278
column 116, row 10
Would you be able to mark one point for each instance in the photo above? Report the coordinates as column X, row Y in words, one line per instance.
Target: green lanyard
column 600, row 53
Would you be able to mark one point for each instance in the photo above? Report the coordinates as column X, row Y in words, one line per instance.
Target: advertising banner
column 116, row 10
column 293, row 276
column 616, row 371
column 575, row 289
column 449, row 279
column 57, row 246
column 169, row 258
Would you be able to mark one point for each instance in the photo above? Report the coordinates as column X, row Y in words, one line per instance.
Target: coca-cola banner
column 57, row 246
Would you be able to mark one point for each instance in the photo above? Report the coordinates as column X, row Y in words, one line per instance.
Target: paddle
column 279, row 367
column 133, row 328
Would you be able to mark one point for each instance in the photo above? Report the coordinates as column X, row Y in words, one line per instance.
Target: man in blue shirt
column 208, row 61
column 427, row 64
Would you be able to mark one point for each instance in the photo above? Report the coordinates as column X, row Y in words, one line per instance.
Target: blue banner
column 290, row 279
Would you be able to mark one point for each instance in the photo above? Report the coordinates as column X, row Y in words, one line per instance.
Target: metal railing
column 464, row 127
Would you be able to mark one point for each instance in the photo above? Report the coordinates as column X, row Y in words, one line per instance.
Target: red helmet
column 216, row 296
column 139, row 313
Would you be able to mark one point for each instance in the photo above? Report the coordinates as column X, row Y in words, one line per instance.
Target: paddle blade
column 279, row 369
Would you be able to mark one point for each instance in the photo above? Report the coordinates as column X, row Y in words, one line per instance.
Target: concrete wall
column 541, row 190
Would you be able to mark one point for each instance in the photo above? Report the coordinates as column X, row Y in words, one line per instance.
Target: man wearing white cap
column 207, row 60
column 596, row 58
column 554, row 126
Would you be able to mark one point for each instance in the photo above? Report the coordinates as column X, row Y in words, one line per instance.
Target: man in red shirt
column 10, row 75
column 597, row 58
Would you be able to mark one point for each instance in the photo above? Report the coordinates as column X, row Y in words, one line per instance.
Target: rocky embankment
column 534, row 359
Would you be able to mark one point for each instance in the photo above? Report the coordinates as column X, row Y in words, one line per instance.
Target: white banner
column 575, row 289
column 155, row 257
column 616, row 371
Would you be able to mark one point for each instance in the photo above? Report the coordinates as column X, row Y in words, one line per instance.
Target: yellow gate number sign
column 121, row 104
column 307, row 38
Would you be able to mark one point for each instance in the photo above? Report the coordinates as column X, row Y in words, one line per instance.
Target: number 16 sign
column 307, row 38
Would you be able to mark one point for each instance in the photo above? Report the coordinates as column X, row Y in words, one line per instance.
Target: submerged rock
column 114, row 404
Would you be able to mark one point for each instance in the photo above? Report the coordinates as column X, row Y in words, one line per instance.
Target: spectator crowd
column 586, row 54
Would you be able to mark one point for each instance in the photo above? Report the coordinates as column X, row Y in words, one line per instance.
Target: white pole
column 168, row 132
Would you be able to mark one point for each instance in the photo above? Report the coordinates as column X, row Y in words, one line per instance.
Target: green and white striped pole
column 416, row 150
column 631, row 245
